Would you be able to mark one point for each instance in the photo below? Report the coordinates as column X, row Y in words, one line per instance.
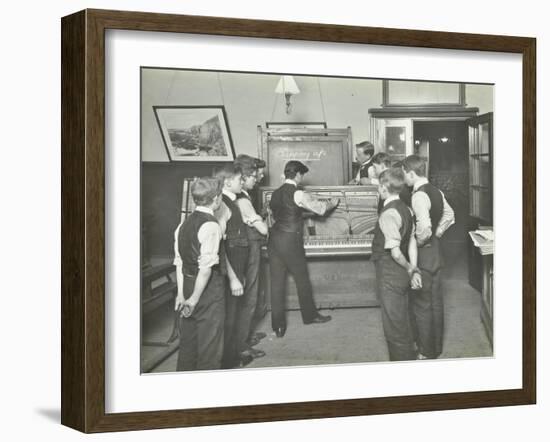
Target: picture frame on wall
column 195, row 133
column 102, row 55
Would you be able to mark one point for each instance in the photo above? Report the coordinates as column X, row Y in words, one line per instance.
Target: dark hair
column 393, row 179
column 260, row 164
column 294, row 167
column 366, row 147
column 248, row 164
column 229, row 171
column 416, row 164
column 382, row 158
column 204, row 190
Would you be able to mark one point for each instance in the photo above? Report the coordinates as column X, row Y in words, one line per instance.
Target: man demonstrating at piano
column 285, row 247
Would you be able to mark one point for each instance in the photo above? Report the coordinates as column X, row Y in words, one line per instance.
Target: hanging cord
column 221, row 88
column 169, row 93
column 274, row 107
column 322, row 101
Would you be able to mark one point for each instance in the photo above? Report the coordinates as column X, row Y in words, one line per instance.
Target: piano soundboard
column 348, row 230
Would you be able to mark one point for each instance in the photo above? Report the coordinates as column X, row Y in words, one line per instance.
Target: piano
column 338, row 245
column 338, row 248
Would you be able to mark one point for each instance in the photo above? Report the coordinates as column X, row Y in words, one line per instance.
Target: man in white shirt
column 201, row 282
column 286, row 246
column 257, row 234
column 433, row 216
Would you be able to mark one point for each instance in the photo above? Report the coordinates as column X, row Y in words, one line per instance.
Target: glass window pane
column 396, row 140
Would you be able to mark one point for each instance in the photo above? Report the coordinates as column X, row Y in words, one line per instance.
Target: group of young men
column 406, row 251
column 218, row 253
column 217, row 256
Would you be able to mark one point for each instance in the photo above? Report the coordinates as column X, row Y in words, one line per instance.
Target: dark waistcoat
column 188, row 242
column 436, row 203
column 235, row 233
column 379, row 240
column 287, row 214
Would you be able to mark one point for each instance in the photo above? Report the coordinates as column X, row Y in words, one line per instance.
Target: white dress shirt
column 421, row 205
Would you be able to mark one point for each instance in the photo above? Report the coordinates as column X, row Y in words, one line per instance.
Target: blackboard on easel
column 326, row 152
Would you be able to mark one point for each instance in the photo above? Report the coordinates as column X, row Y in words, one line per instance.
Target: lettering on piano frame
column 327, row 152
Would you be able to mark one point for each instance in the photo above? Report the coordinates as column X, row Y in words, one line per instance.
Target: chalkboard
column 326, row 152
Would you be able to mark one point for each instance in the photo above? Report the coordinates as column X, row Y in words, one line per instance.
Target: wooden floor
column 354, row 335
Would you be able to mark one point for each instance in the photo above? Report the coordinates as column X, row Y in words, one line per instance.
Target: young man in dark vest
column 394, row 256
column 236, row 250
column 286, row 246
column 362, row 169
column 257, row 230
column 201, row 281
column 433, row 217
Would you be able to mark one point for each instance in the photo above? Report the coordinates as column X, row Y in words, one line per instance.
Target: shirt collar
column 289, row 181
column 204, row 209
column 230, row 194
column 420, row 182
column 391, row 198
column 365, row 163
column 246, row 193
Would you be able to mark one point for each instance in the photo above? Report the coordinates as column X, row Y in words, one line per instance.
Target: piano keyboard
column 351, row 245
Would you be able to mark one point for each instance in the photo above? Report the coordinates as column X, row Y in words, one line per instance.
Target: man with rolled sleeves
column 257, row 230
column 433, row 217
column 201, row 281
column 236, row 251
column 286, row 246
column 394, row 255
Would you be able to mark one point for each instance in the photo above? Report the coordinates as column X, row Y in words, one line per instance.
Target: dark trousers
column 201, row 335
column 250, row 296
column 427, row 314
column 392, row 283
column 427, row 303
column 238, row 257
column 287, row 255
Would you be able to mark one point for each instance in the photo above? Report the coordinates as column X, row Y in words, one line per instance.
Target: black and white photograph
column 299, row 220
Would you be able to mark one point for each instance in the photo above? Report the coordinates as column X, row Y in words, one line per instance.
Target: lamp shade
column 287, row 85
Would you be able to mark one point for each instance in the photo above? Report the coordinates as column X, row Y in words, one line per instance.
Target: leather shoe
column 255, row 338
column 280, row 332
column 319, row 319
column 245, row 359
column 254, row 352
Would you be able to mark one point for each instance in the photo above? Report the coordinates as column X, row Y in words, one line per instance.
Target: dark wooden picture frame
column 83, row 220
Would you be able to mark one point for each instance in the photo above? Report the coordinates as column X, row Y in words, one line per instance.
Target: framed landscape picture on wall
column 195, row 133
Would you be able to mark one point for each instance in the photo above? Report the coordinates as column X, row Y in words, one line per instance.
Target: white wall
column 30, row 222
column 250, row 100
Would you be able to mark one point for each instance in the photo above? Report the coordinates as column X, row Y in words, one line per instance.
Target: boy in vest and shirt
column 362, row 169
column 201, row 281
column 236, row 251
column 394, row 255
column 257, row 230
column 285, row 247
column 433, row 217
